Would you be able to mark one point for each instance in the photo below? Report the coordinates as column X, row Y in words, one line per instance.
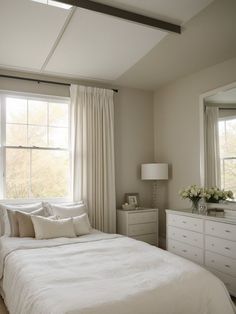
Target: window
column 227, row 139
column 35, row 147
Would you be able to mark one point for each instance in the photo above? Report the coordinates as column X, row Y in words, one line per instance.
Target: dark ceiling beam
column 123, row 14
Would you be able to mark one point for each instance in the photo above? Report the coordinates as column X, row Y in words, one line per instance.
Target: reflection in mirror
column 220, row 140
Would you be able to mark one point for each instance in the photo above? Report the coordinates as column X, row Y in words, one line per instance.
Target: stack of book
column 230, row 214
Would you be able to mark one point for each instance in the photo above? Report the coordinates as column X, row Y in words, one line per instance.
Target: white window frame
column 31, row 96
column 222, row 160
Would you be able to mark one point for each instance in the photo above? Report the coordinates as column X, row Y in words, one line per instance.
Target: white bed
column 103, row 274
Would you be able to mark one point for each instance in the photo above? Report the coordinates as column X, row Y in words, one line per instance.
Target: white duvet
column 105, row 274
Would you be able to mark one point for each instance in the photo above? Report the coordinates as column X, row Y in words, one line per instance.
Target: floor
column 3, row 309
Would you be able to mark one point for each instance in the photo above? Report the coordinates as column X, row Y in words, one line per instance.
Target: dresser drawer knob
column 184, row 222
column 184, row 236
column 227, row 266
column 195, row 225
column 212, row 228
column 228, row 231
column 227, row 248
column 184, row 251
column 195, row 254
column 173, row 247
column 212, row 244
column 213, row 261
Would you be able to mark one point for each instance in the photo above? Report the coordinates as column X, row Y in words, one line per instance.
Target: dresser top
column 187, row 212
column 138, row 210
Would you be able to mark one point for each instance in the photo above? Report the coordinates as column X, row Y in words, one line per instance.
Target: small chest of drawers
column 208, row 241
column 141, row 224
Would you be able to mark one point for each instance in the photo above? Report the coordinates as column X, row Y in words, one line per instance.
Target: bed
column 103, row 274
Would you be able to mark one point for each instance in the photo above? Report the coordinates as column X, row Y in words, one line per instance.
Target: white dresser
column 208, row 241
column 141, row 224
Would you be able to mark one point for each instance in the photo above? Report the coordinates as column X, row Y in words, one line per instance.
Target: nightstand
column 140, row 224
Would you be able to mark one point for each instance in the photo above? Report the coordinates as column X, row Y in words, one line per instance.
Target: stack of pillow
column 44, row 220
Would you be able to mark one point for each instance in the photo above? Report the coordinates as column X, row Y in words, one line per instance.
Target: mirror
column 218, row 138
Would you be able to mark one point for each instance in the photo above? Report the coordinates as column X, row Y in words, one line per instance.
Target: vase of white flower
column 194, row 194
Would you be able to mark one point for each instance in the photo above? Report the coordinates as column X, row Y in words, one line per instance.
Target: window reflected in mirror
column 220, row 140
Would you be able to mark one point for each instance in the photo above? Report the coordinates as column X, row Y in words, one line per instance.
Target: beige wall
column 134, row 142
column 176, row 128
column 134, row 136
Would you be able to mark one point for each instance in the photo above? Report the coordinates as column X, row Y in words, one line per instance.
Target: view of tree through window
column 227, row 137
column 36, row 149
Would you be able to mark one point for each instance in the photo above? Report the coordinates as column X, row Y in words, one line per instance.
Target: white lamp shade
column 155, row 171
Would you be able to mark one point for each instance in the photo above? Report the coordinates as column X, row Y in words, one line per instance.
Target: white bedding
column 105, row 274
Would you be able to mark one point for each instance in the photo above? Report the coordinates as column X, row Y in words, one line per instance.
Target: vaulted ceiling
column 82, row 44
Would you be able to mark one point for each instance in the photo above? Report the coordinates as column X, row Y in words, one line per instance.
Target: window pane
column 58, row 114
column 37, row 136
column 16, row 110
column 37, row 112
column 58, row 137
column 229, row 178
column 231, row 137
column 17, row 173
column 16, row 134
column 49, row 173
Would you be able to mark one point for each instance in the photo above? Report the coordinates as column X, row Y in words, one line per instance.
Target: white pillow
column 81, row 224
column 63, row 211
column 5, row 224
column 46, row 228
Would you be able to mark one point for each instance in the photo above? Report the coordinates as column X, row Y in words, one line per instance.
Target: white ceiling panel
column 176, row 11
column 28, row 31
column 99, row 46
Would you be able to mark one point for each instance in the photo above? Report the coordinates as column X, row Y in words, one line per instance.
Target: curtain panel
column 212, row 147
column 93, row 169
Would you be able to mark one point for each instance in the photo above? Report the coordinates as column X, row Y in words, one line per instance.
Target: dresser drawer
column 221, row 230
column 229, row 281
column 140, row 229
column 142, row 217
column 221, row 246
column 189, row 237
column 192, row 253
column 193, row 224
column 148, row 238
column 221, row 263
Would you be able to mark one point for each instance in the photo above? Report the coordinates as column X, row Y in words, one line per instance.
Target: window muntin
column 35, row 147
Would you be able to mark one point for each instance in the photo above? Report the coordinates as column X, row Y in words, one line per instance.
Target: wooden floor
column 3, row 309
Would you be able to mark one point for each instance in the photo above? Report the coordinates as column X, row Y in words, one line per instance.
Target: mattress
column 104, row 273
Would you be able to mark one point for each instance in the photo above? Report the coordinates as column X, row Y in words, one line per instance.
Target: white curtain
column 92, row 125
column 212, row 147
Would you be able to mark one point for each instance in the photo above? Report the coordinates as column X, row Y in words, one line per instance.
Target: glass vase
column 194, row 206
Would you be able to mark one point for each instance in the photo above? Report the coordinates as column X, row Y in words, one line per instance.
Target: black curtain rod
column 40, row 81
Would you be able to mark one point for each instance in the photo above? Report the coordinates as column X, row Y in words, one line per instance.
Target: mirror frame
column 202, row 131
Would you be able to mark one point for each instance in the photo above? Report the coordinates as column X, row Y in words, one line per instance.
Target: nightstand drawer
column 148, row 238
column 221, row 246
column 189, row 223
column 140, row 229
column 193, row 253
column 222, row 263
column 189, row 237
column 142, row 217
column 221, row 230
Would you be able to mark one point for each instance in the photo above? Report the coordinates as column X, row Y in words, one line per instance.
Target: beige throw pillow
column 14, row 225
column 26, row 228
column 6, row 223
column 81, row 225
column 48, row 229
